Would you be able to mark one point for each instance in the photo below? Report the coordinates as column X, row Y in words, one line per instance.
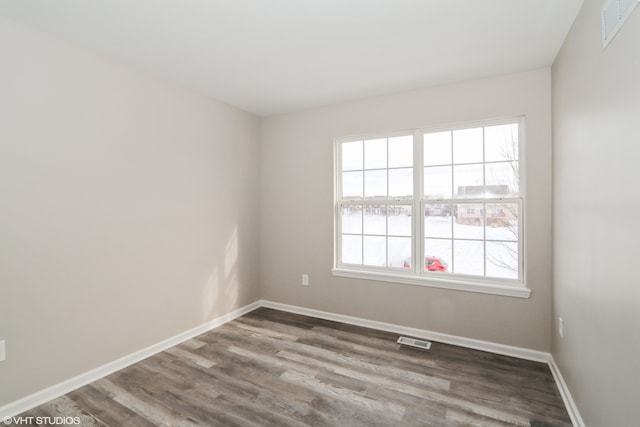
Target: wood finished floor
column 271, row 368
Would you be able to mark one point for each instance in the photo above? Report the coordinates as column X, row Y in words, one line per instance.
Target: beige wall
column 297, row 211
column 596, row 103
column 129, row 210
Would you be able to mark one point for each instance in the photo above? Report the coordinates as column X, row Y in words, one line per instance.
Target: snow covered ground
column 461, row 246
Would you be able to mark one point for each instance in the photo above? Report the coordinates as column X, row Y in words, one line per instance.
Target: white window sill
column 516, row 291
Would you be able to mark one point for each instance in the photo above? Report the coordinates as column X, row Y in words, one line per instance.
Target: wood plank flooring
column 271, row 368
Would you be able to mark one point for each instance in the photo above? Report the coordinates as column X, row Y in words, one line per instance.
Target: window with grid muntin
column 449, row 196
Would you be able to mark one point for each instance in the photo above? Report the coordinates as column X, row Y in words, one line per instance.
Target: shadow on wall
column 220, row 293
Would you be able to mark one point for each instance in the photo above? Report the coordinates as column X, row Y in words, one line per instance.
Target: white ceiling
column 276, row 56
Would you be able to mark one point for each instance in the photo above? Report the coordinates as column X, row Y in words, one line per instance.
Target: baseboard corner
column 569, row 403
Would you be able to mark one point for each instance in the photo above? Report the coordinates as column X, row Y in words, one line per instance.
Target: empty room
column 319, row 213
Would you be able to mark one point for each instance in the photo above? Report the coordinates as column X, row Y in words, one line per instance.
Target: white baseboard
column 569, row 403
column 506, row 350
column 19, row 406
column 519, row 352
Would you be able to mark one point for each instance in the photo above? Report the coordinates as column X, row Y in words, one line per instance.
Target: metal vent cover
column 614, row 15
column 412, row 342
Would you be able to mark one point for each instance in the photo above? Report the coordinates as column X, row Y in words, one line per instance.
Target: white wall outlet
column 3, row 352
column 305, row 280
column 561, row 327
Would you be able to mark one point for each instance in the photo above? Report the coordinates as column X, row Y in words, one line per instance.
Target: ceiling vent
column 614, row 14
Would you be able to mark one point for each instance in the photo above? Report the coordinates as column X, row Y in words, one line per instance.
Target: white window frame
column 417, row 275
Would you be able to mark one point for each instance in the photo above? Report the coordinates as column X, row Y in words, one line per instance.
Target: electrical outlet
column 305, row 280
column 561, row 327
column 3, row 352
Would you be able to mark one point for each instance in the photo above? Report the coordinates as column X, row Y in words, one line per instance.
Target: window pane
column 352, row 219
column 468, row 181
column 375, row 183
column 438, row 248
column 502, row 221
column 501, row 142
column 468, row 257
column 401, row 151
column 375, row 219
column 351, row 249
column 375, row 154
column 351, row 155
column 401, row 182
column 502, row 178
column 502, row 259
column 399, row 251
column 352, row 185
column 375, row 251
column 437, row 221
column 399, row 220
column 469, row 221
column 437, row 182
column 467, row 146
column 437, row 148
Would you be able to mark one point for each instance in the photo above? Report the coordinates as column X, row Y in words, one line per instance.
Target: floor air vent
column 412, row 342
